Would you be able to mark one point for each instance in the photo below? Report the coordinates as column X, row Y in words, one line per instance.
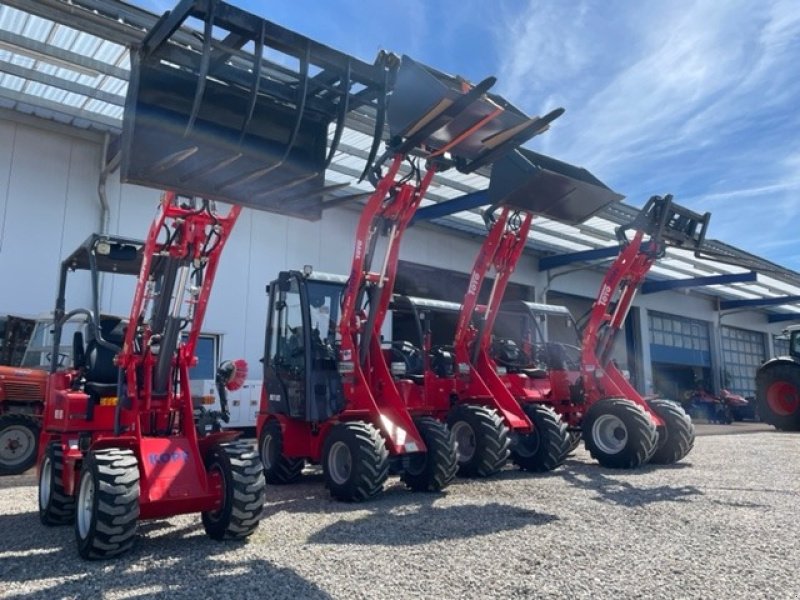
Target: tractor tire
column 676, row 439
column 243, row 492
column 19, row 443
column 107, row 508
column 55, row 506
column 778, row 396
column 432, row 471
column 619, row 434
column 278, row 469
column 574, row 441
column 545, row 448
column 355, row 461
column 482, row 440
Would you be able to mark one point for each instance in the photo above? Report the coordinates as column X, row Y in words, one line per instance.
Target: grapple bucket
column 446, row 114
column 675, row 225
column 242, row 112
column 547, row 187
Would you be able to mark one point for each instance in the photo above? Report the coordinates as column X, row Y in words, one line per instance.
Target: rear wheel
column 619, row 434
column 482, row 440
column 107, row 510
column 355, row 461
column 676, row 438
column 19, row 437
column 431, row 471
column 778, row 396
column 55, row 506
column 545, row 448
column 242, row 482
column 277, row 467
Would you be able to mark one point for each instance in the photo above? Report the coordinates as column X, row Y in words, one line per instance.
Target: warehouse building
column 63, row 77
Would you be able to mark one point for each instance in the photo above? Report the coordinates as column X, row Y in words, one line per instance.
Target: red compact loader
column 209, row 116
column 331, row 398
column 620, row 428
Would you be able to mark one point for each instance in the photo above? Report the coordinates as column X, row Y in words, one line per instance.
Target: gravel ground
column 722, row 524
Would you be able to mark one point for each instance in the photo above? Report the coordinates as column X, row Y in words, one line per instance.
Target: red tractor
column 778, row 387
column 332, row 399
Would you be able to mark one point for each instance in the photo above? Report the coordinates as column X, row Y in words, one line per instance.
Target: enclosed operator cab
column 301, row 373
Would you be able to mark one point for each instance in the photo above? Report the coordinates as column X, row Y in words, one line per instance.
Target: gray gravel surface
column 723, row 524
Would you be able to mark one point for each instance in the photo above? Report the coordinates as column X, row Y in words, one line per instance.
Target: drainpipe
column 106, row 167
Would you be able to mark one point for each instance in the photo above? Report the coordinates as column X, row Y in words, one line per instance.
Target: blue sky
column 700, row 99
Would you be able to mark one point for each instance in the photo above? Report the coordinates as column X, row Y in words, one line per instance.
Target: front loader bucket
column 240, row 113
column 445, row 113
column 548, row 187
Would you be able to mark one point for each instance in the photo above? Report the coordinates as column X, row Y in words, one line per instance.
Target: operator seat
column 101, row 374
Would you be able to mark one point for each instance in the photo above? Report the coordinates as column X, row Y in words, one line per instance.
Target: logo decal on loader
column 164, row 458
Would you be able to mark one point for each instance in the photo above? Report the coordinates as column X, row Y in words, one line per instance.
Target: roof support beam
column 651, row 287
column 781, row 317
column 449, row 207
column 729, row 304
column 102, row 122
column 62, row 84
column 559, row 260
column 61, row 58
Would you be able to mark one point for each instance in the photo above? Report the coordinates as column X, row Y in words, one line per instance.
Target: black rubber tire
column 15, row 427
column 431, row 471
column 676, row 439
column 635, row 424
column 575, row 438
column 776, row 374
column 113, row 473
column 55, row 506
column 278, row 469
column 490, row 439
column 545, row 448
column 243, row 492
column 368, row 458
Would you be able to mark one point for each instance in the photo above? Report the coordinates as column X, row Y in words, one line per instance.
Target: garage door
column 679, row 340
column 742, row 352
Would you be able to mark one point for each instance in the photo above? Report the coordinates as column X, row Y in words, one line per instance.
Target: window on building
column 207, row 352
column 742, row 353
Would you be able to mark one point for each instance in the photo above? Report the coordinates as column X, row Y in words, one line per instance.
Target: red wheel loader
column 209, row 116
column 332, row 399
column 620, row 428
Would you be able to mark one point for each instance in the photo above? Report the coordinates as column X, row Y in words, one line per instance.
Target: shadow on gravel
column 622, row 493
column 167, row 561
column 421, row 523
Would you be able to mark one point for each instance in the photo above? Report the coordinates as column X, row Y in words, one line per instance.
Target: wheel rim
column 464, row 436
column 340, row 463
column 528, row 444
column 85, row 504
column 268, row 450
column 609, row 434
column 17, row 444
column 783, row 398
column 45, row 482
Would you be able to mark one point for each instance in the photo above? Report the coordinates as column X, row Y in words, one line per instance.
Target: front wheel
column 546, row 447
column 242, row 488
column 355, row 461
column 676, row 438
column 431, row 471
column 278, row 469
column 619, row 434
column 482, row 440
column 107, row 509
column 19, row 438
column 55, row 506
